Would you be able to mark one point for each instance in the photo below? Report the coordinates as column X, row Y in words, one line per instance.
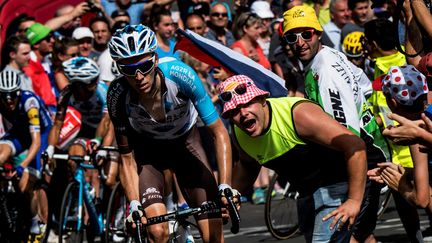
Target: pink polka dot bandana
column 230, row 84
column 405, row 84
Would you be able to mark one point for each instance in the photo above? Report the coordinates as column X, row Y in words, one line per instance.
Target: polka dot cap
column 405, row 84
column 231, row 83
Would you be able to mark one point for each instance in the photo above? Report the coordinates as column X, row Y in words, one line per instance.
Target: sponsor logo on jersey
column 336, row 102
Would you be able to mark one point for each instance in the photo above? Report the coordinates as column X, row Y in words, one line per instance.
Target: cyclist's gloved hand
column 101, row 155
column 50, row 151
column 222, row 187
column 135, row 206
column 95, row 141
column 19, row 170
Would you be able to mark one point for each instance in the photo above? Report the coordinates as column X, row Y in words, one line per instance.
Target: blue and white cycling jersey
column 30, row 113
column 184, row 99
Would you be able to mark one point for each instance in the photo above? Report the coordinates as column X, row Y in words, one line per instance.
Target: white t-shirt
column 108, row 68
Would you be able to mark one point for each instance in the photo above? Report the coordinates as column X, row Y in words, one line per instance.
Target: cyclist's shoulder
column 116, row 92
column 28, row 98
column 176, row 70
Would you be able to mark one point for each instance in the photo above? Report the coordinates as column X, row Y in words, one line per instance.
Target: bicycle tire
column 17, row 230
column 384, row 201
column 45, row 235
column 113, row 205
column 280, row 213
column 69, row 199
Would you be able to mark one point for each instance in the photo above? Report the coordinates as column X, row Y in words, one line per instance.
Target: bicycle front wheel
column 281, row 210
column 68, row 223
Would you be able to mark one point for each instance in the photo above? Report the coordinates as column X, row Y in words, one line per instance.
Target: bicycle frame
column 84, row 196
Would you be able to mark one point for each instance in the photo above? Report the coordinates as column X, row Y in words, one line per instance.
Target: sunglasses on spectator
column 238, row 90
column 143, row 67
column 292, row 38
column 194, row 29
column 9, row 95
column 216, row 14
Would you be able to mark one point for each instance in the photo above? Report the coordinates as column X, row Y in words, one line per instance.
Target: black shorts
column 186, row 157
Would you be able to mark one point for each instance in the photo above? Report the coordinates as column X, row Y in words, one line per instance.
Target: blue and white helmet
column 9, row 81
column 131, row 41
column 81, row 69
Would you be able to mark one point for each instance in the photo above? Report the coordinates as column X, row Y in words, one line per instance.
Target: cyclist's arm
column 33, row 116
column 129, row 176
column 314, row 125
column 103, row 130
column 223, row 151
column 33, row 149
column 60, row 115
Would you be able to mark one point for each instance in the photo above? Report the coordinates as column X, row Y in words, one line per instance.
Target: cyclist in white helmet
column 30, row 121
column 87, row 94
column 154, row 107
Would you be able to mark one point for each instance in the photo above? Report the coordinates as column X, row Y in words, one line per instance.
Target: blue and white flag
column 218, row 55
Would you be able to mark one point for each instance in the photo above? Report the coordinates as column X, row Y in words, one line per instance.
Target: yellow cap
column 300, row 17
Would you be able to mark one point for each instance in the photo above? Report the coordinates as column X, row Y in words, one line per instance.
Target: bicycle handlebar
column 232, row 209
column 182, row 214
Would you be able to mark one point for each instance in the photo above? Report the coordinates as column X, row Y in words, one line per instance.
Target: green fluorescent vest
column 281, row 136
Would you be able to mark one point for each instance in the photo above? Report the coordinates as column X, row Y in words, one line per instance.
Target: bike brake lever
column 232, row 209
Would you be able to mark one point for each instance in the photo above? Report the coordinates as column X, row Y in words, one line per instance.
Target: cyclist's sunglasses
column 9, row 95
column 292, row 38
column 240, row 89
column 143, row 67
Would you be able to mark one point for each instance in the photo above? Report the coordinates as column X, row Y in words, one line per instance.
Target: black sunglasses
column 143, row 67
column 216, row 14
column 9, row 95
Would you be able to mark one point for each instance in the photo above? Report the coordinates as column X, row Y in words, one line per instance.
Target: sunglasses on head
column 292, row 38
column 143, row 67
column 216, row 14
column 240, row 89
column 9, row 95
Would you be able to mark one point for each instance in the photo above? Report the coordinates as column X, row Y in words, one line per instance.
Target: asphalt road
column 253, row 228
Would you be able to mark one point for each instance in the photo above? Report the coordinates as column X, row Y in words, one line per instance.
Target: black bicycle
column 14, row 212
column 117, row 212
column 281, row 215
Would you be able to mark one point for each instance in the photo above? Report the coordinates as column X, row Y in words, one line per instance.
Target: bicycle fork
column 95, row 217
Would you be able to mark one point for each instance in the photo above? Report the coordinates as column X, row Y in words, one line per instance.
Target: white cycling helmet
column 132, row 40
column 81, row 69
column 9, row 81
